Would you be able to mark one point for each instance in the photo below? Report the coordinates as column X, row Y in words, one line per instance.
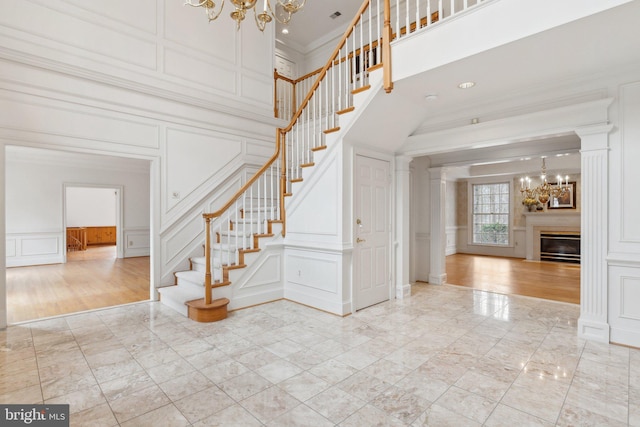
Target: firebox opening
column 560, row 247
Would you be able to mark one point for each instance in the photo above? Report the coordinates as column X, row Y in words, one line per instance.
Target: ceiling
column 569, row 62
column 572, row 63
column 312, row 26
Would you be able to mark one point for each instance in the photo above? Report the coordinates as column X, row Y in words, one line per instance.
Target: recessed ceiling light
column 466, row 85
column 431, row 97
column 285, row 30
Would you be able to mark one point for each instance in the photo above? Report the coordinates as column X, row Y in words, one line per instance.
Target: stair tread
column 197, row 276
column 180, row 294
column 247, row 233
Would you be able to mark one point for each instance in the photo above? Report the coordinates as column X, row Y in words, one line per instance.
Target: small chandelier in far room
column 262, row 10
column 545, row 191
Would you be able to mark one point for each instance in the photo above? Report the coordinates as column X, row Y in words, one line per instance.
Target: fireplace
column 561, row 247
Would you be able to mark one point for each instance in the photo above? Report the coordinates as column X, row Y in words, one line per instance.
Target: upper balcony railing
column 405, row 17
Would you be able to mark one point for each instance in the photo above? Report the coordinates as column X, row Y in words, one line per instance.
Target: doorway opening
column 93, row 218
column 77, row 231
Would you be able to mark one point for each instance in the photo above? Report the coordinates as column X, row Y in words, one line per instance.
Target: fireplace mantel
column 547, row 221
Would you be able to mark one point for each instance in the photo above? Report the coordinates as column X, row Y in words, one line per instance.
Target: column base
column 439, row 279
column 593, row 330
column 403, row 291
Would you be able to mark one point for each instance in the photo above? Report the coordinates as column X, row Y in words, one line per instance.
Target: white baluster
column 266, row 208
column 362, row 55
column 353, row 57
column 398, row 18
column 379, row 29
column 407, row 22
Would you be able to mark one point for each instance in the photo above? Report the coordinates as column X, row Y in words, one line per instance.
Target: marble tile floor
column 446, row 356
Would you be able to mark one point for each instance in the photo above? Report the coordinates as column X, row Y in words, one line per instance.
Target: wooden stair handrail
column 363, row 7
column 329, row 64
column 248, row 184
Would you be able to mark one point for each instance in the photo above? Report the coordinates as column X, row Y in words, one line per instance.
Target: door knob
column 359, row 240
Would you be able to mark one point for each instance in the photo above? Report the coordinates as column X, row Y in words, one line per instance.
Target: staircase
column 256, row 215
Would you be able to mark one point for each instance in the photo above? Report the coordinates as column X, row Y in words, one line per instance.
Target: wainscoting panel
column 422, row 256
column 137, row 242
column 624, row 294
column 260, row 282
column 34, row 249
column 314, row 277
column 451, row 239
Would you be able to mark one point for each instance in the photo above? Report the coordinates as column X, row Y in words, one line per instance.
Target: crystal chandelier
column 545, row 191
column 282, row 11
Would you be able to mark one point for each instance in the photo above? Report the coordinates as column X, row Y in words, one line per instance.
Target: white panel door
column 371, row 255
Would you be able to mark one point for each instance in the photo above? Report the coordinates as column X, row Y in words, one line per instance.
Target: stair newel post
column 386, row 48
column 282, row 146
column 207, row 257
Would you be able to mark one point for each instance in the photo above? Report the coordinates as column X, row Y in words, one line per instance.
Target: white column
column 438, row 269
column 3, row 248
column 593, row 323
column 403, row 226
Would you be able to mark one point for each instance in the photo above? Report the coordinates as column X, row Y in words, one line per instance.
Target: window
column 491, row 214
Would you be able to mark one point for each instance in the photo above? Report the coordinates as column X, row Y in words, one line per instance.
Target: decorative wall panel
column 34, row 249
column 76, row 123
column 201, row 154
column 60, row 30
column 198, row 72
column 630, row 109
column 140, row 14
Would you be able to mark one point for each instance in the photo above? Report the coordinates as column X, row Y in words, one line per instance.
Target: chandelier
column 545, row 191
column 282, row 11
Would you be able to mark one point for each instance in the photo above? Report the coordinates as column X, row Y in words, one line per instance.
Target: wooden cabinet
column 101, row 235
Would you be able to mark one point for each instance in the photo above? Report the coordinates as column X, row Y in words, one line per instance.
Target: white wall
column 623, row 260
column 135, row 81
column 420, row 219
column 34, row 204
column 610, row 280
column 91, row 206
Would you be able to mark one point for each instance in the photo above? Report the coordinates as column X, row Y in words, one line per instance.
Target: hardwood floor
column 90, row 279
column 549, row 280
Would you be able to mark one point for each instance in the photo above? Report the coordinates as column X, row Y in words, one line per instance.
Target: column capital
column 438, row 173
column 402, row 163
column 594, row 137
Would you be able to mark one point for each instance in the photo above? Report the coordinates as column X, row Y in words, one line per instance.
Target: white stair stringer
column 334, row 139
column 260, row 281
column 263, row 278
